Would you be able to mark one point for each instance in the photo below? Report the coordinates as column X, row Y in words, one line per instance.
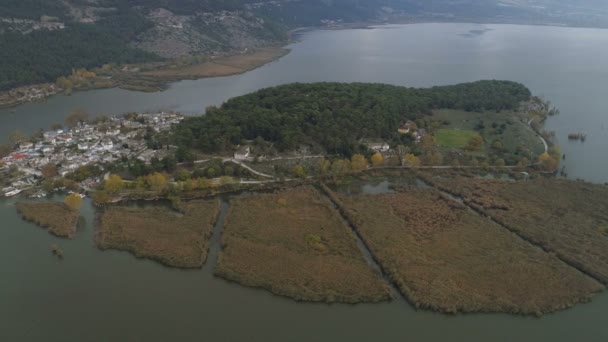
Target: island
column 473, row 217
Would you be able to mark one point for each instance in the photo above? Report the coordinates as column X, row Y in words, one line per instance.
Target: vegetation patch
column 176, row 239
column 447, row 258
column 561, row 216
column 294, row 244
column 56, row 217
column 454, row 138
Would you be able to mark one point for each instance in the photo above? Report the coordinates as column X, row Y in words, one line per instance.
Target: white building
column 242, row 153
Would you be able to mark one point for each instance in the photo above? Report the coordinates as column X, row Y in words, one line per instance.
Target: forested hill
column 334, row 117
column 43, row 39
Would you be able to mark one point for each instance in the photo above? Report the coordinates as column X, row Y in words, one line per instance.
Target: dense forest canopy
column 335, row 116
column 42, row 56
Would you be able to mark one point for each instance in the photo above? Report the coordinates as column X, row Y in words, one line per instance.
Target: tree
column 358, row 163
column 298, row 171
column 157, row 182
column 340, row 167
column 377, row 160
column 433, row 157
column 114, row 184
column 475, row 143
column 49, row 171
column 17, row 137
column 402, row 151
column 64, row 83
column 101, row 197
column 56, row 126
column 75, row 117
column 548, row 162
column 74, row 202
column 411, row 160
column 427, row 143
column 324, row 167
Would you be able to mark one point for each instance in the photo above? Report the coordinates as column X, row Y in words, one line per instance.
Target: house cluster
column 85, row 144
column 410, row 127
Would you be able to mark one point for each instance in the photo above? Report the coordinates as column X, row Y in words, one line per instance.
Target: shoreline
column 158, row 80
column 236, row 64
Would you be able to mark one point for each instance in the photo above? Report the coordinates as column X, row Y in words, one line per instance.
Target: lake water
column 112, row 296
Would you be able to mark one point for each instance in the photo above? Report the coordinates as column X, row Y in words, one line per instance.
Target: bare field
column 294, row 244
column 159, row 233
column 56, row 217
column 564, row 217
column 445, row 257
column 222, row 66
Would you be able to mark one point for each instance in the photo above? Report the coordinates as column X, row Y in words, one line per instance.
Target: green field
column 454, row 138
column 508, row 128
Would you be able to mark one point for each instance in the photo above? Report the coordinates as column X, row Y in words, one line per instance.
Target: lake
column 112, row 296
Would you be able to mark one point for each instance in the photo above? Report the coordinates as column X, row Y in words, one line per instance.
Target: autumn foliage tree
column 548, row 162
column 298, row 171
column 475, row 143
column 340, row 167
column 377, row 159
column 411, row 160
column 114, row 184
column 74, row 202
column 157, row 182
column 358, row 163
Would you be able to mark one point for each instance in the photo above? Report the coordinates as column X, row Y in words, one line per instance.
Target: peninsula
column 295, row 233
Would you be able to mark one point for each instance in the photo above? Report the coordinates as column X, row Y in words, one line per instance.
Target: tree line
column 335, row 117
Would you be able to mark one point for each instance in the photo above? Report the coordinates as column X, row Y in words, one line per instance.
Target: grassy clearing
column 444, row 257
column 509, row 128
column 54, row 216
column 294, row 244
column 454, row 138
column 562, row 216
column 159, row 233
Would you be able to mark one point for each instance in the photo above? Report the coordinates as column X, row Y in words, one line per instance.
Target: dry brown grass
column 561, row 216
column 159, row 233
column 223, row 66
column 56, row 217
column 294, row 244
column 445, row 257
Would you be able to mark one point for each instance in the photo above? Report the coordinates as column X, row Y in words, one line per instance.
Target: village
column 67, row 150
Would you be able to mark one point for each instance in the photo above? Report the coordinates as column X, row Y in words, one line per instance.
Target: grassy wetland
column 56, row 217
column 564, row 217
column 176, row 239
column 445, row 257
column 293, row 244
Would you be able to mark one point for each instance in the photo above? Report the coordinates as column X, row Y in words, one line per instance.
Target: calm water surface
column 112, row 296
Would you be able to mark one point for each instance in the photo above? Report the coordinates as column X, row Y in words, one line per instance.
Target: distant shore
column 154, row 77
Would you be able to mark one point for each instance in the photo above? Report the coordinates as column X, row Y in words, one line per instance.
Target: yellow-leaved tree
column 74, row 202
column 548, row 162
column 377, row 160
column 358, row 163
column 298, row 171
column 114, row 184
column 411, row 160
column 157, row 182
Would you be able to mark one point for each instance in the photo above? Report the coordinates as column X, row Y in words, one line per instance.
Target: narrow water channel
column 215, row 242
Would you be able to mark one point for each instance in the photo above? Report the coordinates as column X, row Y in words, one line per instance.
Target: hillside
column 44, row 39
